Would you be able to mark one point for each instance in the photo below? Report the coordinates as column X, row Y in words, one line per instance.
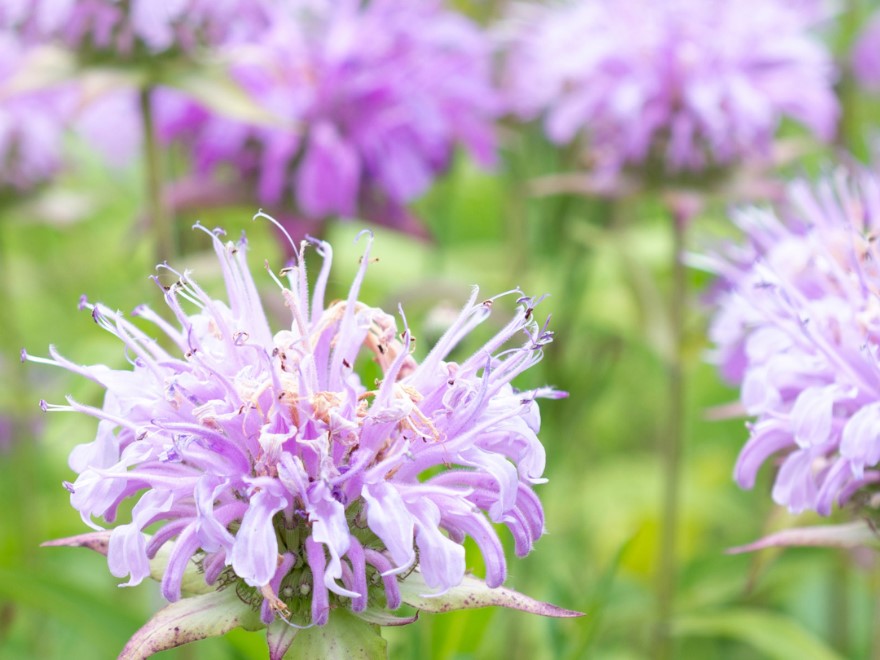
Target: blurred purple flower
column 268, row 460
column 125, row 26
column 684, row 85
column 866, row 55
column 32, row 121
column 798, row 327
column 372, row 100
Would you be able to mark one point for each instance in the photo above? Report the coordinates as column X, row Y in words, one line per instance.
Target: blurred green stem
column 838, row 604
column 670, row 446
column 160, row 216
column 849, row 128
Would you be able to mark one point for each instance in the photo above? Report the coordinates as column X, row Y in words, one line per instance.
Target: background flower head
column 798, row 327
column 685, row 85
column 371, row 99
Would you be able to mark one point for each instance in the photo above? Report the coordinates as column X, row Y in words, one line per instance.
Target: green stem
column 838, row 588
column 874, row 588
column 849, row 134
column 21, row 407
column 160, row 216
column 670, row 448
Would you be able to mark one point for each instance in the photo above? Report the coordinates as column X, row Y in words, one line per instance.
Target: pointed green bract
column 343, row 637
column 279, row 637
column 473, row 593
column 189, row 620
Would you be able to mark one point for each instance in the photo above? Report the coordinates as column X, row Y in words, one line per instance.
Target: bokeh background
column 606, row 262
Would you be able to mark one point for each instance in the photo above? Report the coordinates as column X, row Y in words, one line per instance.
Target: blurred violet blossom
column 680, row 85
column 372, row 100
column 866, row 55
column 798, row 328
column 271, row 465
column 125, row 26
column 32, row 120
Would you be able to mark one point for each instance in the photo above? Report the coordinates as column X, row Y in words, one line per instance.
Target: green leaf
column 772, row 634
column 849, row 535
column 343, row 637
column 189, row 620
column 473, row 593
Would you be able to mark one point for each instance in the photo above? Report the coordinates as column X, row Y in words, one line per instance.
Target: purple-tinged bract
column 268, row 462
column 371, row 99
column 798, row 328
column 680, row 85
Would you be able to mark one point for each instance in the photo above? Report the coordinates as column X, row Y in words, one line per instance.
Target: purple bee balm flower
column 798, row 328
column 271, row 465
column 683, row 85
column 866, row 55
column 126, row 28
column 32, row 120
column 372, row 99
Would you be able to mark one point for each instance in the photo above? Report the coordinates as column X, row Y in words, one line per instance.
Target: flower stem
column 160, row 216
column 670, row 447
column 838, row 598
column 21, row 455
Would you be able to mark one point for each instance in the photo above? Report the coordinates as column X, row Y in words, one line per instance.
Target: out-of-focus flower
column 127, row 27
column 372, row 99
column 32, row 121
column 798, row 328
column 866, row 55
column 272, row 466
column 673, row 87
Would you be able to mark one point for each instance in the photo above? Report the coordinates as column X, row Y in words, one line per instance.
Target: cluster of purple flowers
column 371, row 101
column 121, row 27
column 683, row 85
column 799, row 329
column 267, row 460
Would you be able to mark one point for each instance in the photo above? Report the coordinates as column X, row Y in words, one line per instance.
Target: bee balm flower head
column 680, row 86
column 798, row 328
column 270, row 465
